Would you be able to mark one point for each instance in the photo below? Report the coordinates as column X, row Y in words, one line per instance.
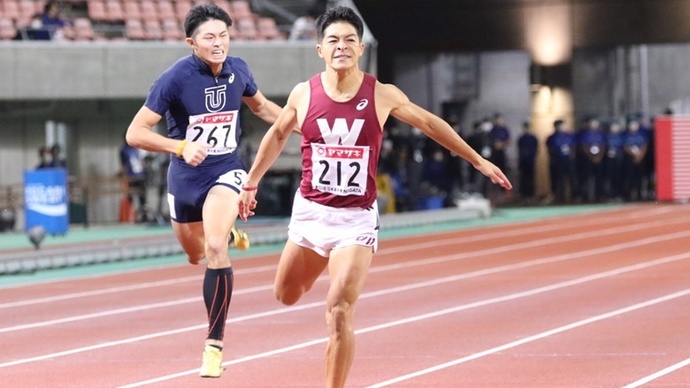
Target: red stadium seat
column 83, row 29
column 232, row 30
column 96, row 10
column 114, row 11
column 225, row 6
column 172, row 30
column 10, row 9
column 246, row 29
column 7, row 29
column 27, row 9
column 132, row 9
column 149, row 10
column 240, row 9
column 268, row 29
column 166, row 10
column 181, row 9
column 153, row 30
column 134, row 30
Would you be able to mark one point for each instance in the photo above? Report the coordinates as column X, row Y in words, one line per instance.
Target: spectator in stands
column 135, row 177
column 334, row 220
column 436, row 181
column 201, row 95
column 35, row 30
column 500, row 140
column 53, row 21
column 45, row 158
column 528, row 146
column 455, row 165
column 58, row 159
column 480, row 142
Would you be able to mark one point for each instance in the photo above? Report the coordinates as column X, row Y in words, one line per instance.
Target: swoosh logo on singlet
column 362, row 104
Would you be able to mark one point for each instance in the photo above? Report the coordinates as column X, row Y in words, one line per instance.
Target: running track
column 591, row 300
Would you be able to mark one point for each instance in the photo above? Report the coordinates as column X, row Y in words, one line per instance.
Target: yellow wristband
column 178, row 153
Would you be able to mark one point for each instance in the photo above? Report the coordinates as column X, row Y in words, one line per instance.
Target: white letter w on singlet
column 340, row 133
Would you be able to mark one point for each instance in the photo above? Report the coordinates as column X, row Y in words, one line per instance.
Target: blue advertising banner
column 46, row 202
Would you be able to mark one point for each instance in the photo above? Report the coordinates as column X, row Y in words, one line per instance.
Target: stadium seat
column 96, row 10
column 39, row 5
column 240, row 9
column 83, row 29
column 10, row 9
column 172, row 30
column 225, row 6
column 232, row 30
column 114, row 11
column 268, row 29
column 134, row 30
column 27, row 9
column 7, row 30
column 181, row 9
column 149, row 10
column 132, row 9
column 166, row 10
column 152, row 29
column 246, row 29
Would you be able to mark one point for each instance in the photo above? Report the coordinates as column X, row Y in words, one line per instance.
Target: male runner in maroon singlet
column 334, row 220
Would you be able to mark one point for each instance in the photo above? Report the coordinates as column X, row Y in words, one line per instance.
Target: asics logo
column 232, row 78
column 362, row 104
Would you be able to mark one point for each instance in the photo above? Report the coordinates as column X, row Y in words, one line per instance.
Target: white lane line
column 404, row 248
column 436, row 260
column 127, row 288
column 127, row 310
column 435, row 314
column 658, row 374
column 535, row 337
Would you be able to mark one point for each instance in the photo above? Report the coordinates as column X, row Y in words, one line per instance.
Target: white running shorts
column 324, row 228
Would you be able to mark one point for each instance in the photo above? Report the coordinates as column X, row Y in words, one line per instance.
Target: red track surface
column 595, row 300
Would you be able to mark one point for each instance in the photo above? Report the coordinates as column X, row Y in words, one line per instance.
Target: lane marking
column 633, row 213
column 435, row 260
column 658, row 374
column 463, row 307
column 374, row 269
column 535, row 337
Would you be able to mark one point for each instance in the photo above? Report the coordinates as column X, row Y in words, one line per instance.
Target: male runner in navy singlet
column 334, row 222
column 200, row 97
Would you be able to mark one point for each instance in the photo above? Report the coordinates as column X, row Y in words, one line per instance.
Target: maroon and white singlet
column 341, row 143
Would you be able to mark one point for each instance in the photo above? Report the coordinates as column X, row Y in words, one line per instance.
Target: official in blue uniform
column 613, row 162
column 592, row 143
column 200, row 96
column 527, row 145
column 635, row 147
column 561, row 147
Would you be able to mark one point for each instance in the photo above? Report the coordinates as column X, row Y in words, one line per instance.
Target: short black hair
column 339, row 14
column 201, row 13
